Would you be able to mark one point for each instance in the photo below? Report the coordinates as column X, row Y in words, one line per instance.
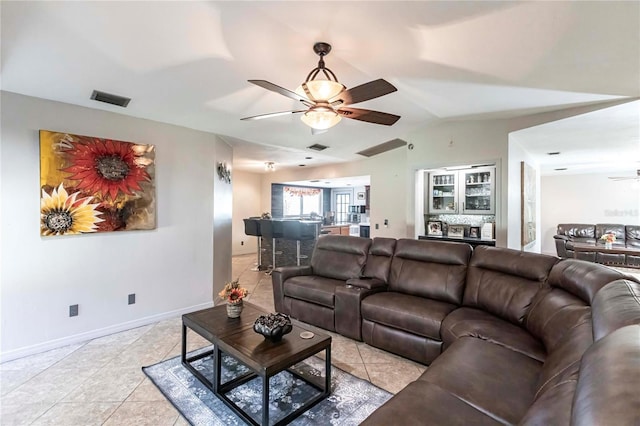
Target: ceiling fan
column 636, row 178
column 326, row 99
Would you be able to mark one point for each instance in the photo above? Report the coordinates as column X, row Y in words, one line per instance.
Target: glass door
column 478, row 191
column 342, row 201
column 443, row 191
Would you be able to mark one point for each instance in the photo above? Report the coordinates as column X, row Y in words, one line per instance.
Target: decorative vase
column 608, row 245
column 234, row 310
column 273, row 326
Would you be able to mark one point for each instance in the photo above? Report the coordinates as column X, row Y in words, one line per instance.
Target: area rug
column 351, row 400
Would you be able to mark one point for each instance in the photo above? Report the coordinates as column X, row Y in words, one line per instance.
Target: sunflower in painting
column 106, row 166
column 63, row 214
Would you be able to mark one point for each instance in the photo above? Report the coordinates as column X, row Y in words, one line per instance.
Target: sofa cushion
column 475, row 323
column 312, row 288
column 579, row 230
column 379, row 260
column 582, row 279
column 554, row 407
column 554, row 312
column 503, row 281
column 339, row 256
column 610, row 228
column 413, row 314
column 493, row 379
column 430, row 269
column 607, row 392
column 632, row 237
column 563, row 362
column 426, row 403
column 615, row 306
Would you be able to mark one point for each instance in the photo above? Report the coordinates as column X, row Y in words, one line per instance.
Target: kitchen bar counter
column 286, row 248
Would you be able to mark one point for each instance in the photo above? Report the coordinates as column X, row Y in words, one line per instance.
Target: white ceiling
column 188, row 63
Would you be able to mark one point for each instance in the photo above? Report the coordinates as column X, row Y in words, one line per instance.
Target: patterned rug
column 351, row 401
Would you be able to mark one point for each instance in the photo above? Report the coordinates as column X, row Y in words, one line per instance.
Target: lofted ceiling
column 187, row 63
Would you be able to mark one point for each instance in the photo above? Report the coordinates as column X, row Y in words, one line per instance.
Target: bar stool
column 292, row 230
column 308, row 231
column 272, row 229
column 252, row 227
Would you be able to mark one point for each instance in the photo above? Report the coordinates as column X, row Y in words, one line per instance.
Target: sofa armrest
column 561, row 245
column 348, row 314
column 278, row 278
column 368, row 283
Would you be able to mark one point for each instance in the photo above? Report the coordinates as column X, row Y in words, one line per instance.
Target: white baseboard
column 93, row 334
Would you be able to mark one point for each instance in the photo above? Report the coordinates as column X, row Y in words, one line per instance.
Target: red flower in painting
column 105, row 166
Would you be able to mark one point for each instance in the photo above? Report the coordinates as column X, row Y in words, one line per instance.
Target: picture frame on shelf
column 456, row 231
column 474, row 232
column 360, row 196
column 434, row 227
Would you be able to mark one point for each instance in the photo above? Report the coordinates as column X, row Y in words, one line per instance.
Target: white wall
column 514, row 194
column 170, row 268
column 586, row 198
column 246, row 203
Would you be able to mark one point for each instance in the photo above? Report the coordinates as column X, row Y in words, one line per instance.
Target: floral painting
column 90, row 184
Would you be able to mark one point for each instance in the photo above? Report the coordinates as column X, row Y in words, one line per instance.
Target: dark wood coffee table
column 585, row 247
column 264, row 358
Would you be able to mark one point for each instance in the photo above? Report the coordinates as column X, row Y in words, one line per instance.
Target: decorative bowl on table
column 273, row 326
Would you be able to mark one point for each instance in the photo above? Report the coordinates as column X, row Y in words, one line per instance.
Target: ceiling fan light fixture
column 320, row 118
column 321, row 90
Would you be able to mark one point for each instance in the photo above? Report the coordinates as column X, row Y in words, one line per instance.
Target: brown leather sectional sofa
column 628, row 236
column 510, row 337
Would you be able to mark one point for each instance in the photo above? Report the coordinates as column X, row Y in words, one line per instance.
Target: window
column 343, row 199
column 301, row 201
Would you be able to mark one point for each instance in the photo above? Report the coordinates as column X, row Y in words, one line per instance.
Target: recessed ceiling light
column 560, row 169
column 553, row 153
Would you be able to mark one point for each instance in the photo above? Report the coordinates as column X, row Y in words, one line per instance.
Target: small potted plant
column 233, row 294
column 608, row 239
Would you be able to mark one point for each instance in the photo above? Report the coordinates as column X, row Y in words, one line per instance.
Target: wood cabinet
column 337, row 229
column 468, row 191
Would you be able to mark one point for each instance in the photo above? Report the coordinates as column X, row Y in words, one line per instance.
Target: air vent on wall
column 109, row 98
column 383, row 147
column 317, row 147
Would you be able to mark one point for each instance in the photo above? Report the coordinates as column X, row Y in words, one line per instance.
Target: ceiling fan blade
column 273, row 114
column 275, row 88
column 364, row 92
column 368, row 115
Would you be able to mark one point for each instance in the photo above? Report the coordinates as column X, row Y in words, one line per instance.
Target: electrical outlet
column 132, row 298
column 73, row 310
column 377, row 226
column 241, row 243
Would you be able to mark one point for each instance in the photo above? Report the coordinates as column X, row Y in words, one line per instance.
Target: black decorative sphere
column 273, row 326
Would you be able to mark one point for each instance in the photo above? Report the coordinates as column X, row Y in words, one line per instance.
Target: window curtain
column 301, row 192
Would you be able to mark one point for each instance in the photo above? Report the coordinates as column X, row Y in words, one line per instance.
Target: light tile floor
column 100, row 382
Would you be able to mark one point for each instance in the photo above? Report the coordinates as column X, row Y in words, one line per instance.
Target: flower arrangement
column 233, row 293
column 608, row 238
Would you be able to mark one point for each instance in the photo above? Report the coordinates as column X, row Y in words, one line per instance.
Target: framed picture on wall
column 434, row 227
column 360, row 196
column 456, row 231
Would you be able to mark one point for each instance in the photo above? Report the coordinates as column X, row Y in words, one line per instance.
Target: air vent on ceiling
column 317, row 147
column 109, row 98
column 383, row 147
